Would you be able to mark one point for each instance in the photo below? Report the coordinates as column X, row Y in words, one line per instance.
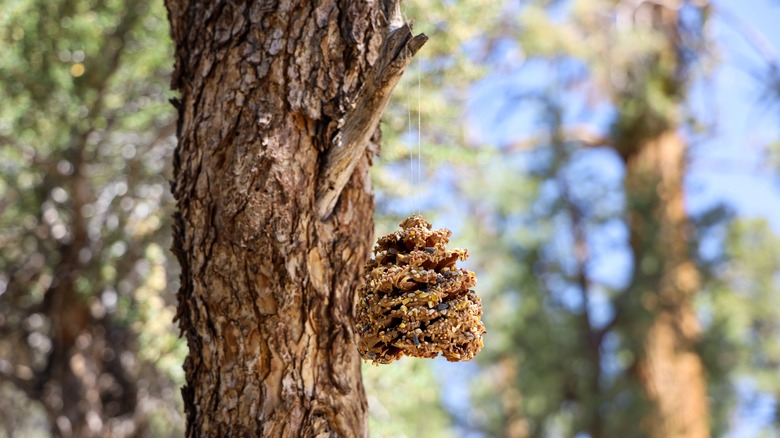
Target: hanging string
column 411, row 151
column 419, row 124
column 416, row 178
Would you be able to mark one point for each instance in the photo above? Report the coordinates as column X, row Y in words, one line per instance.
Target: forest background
column 523, row 109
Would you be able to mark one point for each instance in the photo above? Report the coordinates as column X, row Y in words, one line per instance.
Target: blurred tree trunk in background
column 665, row 278
column 84, row 385
column 268, row 287
column 669, row 368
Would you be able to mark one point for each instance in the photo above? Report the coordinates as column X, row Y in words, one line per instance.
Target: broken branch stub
column 361, row 121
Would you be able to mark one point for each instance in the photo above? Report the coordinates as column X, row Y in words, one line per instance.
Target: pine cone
column 415, row 302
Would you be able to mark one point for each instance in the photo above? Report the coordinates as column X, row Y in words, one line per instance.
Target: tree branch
column 361, row 121
column 580, row 134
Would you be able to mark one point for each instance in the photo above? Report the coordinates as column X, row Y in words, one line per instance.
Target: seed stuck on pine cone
column 415, row 301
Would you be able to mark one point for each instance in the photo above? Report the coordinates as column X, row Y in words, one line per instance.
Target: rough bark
column 268, row 287
column 669, row 369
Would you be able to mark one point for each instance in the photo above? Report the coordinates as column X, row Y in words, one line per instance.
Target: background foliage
column 85, row 147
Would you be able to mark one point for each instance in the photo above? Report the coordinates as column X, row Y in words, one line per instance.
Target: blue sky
column 731, row 166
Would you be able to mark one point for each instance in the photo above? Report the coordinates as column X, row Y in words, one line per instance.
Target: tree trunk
column 268, row 285
column 669, row 370
column 85, row 389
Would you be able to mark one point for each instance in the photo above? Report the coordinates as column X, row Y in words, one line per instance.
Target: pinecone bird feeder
column 415, row 301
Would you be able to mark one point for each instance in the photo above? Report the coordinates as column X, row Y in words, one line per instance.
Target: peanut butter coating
column 414, row 301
